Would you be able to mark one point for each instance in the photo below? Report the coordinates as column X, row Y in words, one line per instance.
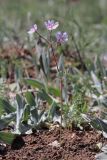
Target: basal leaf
column 34, row 115
column 99, row 124
column 54, row 91
column 30, row 99
column 26, row 113
column 97, row 83
column 7, row 137
column 35, row 83
column 20, row 110
column 6, row 107
column 6, row 120
column 44, row 96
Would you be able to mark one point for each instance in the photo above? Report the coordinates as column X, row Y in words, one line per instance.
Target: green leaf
column 6, row 120
column 20, row 101
column 53, row 109
column 34, row 115
column 7, row 137
column 61, row 63
column 99, row 124
column 44, row 96
column 45, row 63
column 26, row 113
column 3, row 124
column 20, row 110
column 30, row 99
column 6, row 107
column 97, row 83
column 35, row 83
column 54, row 91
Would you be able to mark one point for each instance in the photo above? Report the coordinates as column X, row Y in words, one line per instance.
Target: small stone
column 54, row 144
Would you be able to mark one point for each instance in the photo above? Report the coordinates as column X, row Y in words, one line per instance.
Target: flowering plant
column 50, row 25
column 60, row 38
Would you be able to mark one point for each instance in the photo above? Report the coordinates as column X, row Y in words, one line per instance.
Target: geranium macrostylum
column 61, row 37
column 33, row 29
column 51, row 25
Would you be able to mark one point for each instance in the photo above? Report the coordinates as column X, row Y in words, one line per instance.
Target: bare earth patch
column 51, row 145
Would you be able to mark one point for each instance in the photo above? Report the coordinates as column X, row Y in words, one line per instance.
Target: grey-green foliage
column 23, row 116
column 7, row 137
column 27, row 112
column 99, row 97
column 79, row 105
column 45, row 93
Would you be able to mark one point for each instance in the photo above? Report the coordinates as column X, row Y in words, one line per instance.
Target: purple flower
column 51, row 25
column 32, row 29
column 61, row 37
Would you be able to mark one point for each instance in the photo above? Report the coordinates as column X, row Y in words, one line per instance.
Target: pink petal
column 55, row 25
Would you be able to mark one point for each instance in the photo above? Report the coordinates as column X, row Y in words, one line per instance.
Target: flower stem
column 61, row 87
column 48, row 42
column 56, row 63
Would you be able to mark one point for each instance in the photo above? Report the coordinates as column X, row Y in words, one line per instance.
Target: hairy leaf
column 7, row 137
column 54, row 91
column 6, row 107
column 35, row 83
column 44, row 96
column 30, row 99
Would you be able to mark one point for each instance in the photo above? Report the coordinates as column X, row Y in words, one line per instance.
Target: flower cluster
column 61, row 37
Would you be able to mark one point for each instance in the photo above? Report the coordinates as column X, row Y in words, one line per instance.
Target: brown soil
column 73, row 145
